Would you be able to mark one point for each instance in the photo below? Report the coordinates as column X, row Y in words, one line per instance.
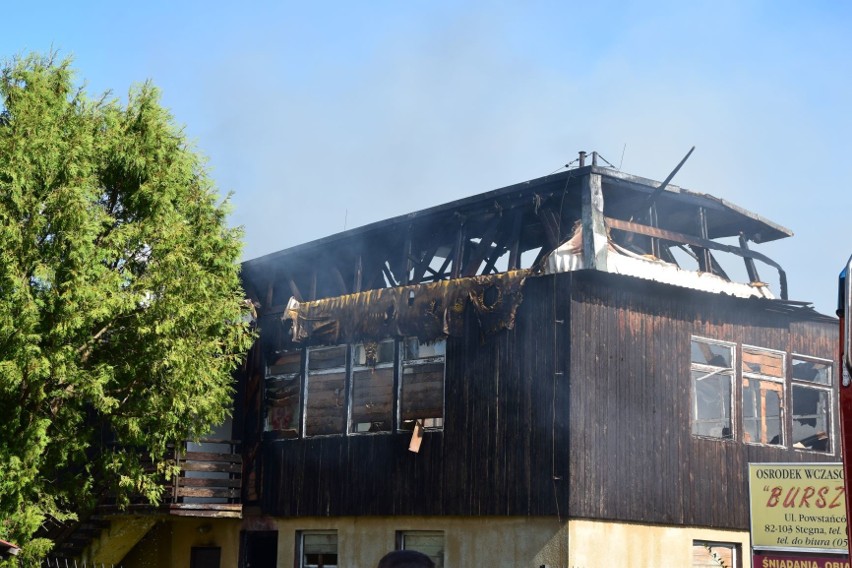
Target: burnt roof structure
column 588, row 217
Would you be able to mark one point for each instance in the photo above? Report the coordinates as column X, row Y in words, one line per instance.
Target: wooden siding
column 607, row 355
column 632, row 454
column 494, row 456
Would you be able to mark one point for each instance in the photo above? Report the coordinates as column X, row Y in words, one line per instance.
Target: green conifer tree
column 121, row 311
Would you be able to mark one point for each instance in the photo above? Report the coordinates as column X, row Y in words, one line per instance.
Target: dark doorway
column 205, row 557
column 260, row 549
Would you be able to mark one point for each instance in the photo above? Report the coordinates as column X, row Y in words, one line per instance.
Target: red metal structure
column 844, row 302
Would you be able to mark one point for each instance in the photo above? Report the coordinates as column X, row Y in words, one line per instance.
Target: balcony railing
column 210, row 479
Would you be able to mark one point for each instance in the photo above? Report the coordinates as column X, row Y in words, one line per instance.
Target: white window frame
column 307, row 388
column 829, row 388
column 782, row 380
column 730, row 372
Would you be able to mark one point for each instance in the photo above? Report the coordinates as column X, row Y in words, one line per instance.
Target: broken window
column 712, row 381
column 325, row 400
column 715, row 554
column 811, row 404
column 763, row 396
column 372, row 387
column 283, row 389
column 318, row 549
column 430, row 543
column 421, row 397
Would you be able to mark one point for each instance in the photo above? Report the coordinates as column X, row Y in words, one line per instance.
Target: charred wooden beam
column 359, row 273
column 458, row 251
column 482, row 249
column 751, row 269
column 691, row 240
column 294, row 290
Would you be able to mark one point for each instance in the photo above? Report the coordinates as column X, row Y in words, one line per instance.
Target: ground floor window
column 430, row 543
column 318, row 549
column 707, row 554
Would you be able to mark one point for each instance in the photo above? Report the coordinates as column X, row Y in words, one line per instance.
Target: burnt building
column 573, row 371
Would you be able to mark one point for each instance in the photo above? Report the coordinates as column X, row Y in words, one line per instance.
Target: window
column 715, row 554
column 712, row 380
column 283, row 378
column 317, row 549
column 325, row 400
column 372, row 387
column 812, row 404
column 355, row 389
column 421, row 397
column 430, row 543
column 763, row 396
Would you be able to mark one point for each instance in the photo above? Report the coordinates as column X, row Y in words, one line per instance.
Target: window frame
column 734, row 547
column 355, row 367
column 826, row 388
column 307, row 387
column 427, row 360
column 730, row 372
column 761, row 378
column 349, row 368
column 400, row 543
column 300, row 547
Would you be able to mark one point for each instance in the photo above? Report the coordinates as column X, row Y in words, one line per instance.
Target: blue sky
column 320, row 114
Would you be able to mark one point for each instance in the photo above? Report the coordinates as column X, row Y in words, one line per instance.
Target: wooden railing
column 210, row 479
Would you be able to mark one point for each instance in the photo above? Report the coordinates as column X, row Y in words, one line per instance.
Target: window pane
column 762, row 411
column 372, row 400
column 416, row 350
column 372, row 354
column 430, row 543
column 715, row 354
column 325, row 400
column 763, row 362
column 283, row 384
column 711, row 404
column 714, row 554
column 282, row 406
column 812, row 371
column 421, row 394
column 319, row 550
column 326, row 357
column 811, row 419
column 288, row 362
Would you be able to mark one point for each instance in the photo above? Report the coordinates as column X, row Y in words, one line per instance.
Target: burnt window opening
column 283, row 392
column 811, row 404
column 325, row 386
column 372, row 387
column 712, row 385
column 763, row 396
column 421, row 396
column 357, row 389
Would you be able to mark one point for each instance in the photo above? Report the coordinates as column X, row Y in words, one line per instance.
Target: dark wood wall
column 607, row 355
column 632, row 454
column 502, row 432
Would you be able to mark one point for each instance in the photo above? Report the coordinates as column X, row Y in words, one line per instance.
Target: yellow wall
column 596, row 544
column 170, row 542
column 510, row 542
column 513, row 542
